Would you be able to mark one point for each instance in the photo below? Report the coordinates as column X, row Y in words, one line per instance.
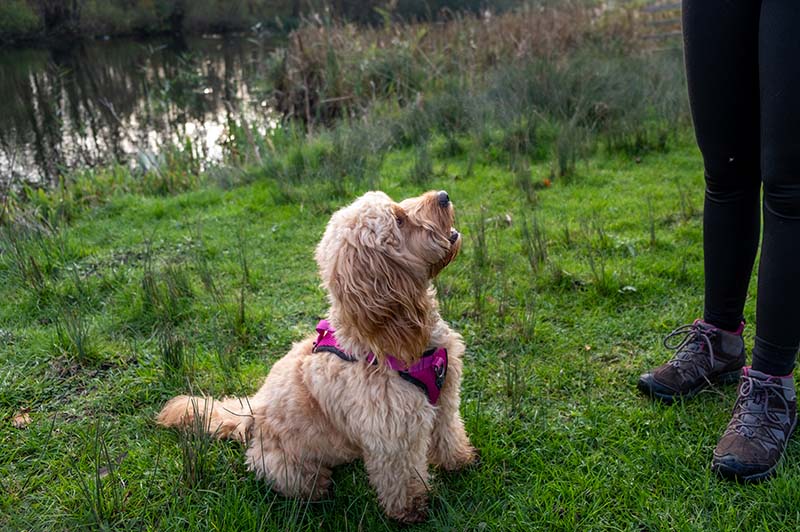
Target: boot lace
column 689, row 341
column 754, row 418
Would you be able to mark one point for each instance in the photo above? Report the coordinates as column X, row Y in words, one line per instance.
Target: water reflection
column 124, row 100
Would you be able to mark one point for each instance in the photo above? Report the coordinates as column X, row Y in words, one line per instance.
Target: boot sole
column 729, row 474
column 729, row 377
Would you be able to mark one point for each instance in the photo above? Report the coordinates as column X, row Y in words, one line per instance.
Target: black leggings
column 743, row 69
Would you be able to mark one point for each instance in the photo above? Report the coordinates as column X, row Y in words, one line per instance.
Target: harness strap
column 428, row 373
column 338, row 352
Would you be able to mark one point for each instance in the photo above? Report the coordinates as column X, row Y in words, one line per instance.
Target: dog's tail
column 229, row 418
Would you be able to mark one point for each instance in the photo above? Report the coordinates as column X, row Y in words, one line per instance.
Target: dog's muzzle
column 454, row 236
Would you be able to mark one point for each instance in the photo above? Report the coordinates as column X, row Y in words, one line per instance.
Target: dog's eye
column 400, row 221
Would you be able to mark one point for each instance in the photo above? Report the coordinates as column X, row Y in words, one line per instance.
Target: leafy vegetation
column 59, row 20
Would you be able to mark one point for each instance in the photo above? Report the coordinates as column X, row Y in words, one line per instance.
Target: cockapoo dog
column 380, row 379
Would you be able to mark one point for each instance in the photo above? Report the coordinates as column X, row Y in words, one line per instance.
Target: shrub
column 17, row 20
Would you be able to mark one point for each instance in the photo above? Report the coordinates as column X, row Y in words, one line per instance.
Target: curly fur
column 316, row 411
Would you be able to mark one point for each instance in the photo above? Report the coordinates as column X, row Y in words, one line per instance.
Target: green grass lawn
column 145, row 297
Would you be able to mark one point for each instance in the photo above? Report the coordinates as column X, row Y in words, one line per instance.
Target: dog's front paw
column 322, row 489
column 460, row 459
column 415, row 512
column 471, row 457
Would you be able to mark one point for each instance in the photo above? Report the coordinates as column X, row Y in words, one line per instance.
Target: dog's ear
column 378, row 296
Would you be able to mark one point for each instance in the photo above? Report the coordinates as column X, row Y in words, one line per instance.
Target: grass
column 562, row 294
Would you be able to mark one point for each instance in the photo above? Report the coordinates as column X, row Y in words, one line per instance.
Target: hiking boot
column 764, row 417
column 704, row 355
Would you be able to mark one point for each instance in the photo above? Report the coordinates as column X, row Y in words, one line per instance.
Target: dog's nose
column 444, row 199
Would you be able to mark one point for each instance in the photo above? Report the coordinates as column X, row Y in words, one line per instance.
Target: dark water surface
column 125, row 100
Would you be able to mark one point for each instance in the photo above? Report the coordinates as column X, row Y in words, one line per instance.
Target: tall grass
column 165, row 292
column 28, row 256
column 534, row 243
column 195, row 440
column 524, row 181
column 174, row 358
column 554, row 82
column 331, row 69
column 73, row 337
column 240, row 321
column 102, row 491
column 480, row 263
column 21, row 261
column 422, row 168
column 202, row 266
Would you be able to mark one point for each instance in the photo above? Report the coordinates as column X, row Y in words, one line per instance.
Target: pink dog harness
column 428, row 374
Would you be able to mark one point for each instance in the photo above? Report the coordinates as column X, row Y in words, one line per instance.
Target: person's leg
column 766, row 411
column 778, row 304
column 721, row 48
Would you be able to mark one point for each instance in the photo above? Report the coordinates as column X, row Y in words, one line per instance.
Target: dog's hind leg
column 294, row 476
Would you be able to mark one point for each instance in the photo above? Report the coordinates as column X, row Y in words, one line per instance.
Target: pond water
column 125, row 101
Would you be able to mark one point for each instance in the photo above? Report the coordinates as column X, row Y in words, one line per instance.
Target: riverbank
column 553, row 83
column 45, row 23
column 126, row 101
column 39, row 23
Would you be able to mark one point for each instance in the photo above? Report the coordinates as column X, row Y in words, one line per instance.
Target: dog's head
column 376, row 260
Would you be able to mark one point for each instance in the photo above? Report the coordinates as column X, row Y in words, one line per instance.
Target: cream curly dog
column 380, row 380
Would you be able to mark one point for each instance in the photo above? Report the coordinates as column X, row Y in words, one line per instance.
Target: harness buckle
column 439, row 371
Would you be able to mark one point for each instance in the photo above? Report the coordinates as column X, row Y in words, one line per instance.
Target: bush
column 103, row 17
column 17, row 21
column 215, row 15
